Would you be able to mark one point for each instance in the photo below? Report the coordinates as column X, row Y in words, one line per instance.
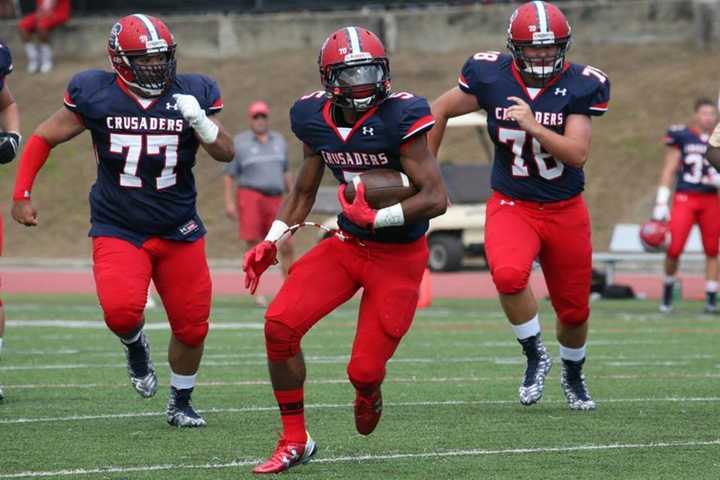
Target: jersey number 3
column 154, row 144
column 548, row 167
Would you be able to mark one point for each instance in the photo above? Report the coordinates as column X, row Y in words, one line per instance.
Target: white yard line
column 333, row 381
column 322, row 406
column 358, row 458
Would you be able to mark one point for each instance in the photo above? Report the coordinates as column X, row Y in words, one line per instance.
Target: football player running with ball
column 146, row 124
column 539, row 108
column 355, row 125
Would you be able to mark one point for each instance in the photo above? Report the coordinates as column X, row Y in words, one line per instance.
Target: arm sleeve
column 214, row 103
column 671, row 138
column 416, row 118
column 595, row 98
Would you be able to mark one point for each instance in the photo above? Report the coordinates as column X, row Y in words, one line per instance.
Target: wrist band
column 277, row 229
column 391, row 216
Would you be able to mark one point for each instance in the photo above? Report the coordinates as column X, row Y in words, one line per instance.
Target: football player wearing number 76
column 538, row 108
column 146, row 124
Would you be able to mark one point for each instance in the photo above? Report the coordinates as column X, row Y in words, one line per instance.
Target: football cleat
column 665, row 308
column 574, row 387
column 179, row 410
column 367, row 412
column 140, row 367
column 538, row 366
column 1, row 393
column 710, row 309
column 287, row 455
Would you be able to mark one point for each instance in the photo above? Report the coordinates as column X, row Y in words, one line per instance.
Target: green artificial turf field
column 451, row 408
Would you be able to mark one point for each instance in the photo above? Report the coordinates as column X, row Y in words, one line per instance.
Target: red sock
column 292, row 414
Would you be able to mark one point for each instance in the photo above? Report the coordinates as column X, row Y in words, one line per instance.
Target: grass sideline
column 451, row 408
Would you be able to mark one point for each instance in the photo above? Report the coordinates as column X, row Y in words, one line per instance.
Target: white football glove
column 661, row 212
column 712, row 179
column 205, row 128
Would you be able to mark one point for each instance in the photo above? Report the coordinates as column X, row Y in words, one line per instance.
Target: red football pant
column 689, row 208
column 328, row 276
column 256, row 213
column 57, row 17
column 182, row 279
column 557, row 234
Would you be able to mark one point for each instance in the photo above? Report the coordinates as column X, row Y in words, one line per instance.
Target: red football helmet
column 655, row 236
column 354, row 68
column 136, row 36
column 538, row 24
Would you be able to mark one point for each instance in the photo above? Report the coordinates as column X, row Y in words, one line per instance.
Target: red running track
column 230, row 282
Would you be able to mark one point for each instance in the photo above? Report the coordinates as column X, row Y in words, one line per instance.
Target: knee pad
column 574, row 316
column 366, row 373
column 510, row 280
column 192, row 334
column 281, row 341
column 122, row 318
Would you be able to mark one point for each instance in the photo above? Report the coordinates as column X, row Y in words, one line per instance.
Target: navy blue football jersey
column 693, row 165
column 373, row 142
column 6, row 65
column 145, row 151
column 522, row 169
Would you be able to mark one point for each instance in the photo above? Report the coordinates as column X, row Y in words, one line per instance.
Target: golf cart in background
column 459, row 234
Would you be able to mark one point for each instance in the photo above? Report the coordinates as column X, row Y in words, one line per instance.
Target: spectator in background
column 48, row 15
column 260, row 176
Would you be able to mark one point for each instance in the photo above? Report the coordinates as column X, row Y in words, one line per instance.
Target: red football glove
column 256, row 261
column 358, row 212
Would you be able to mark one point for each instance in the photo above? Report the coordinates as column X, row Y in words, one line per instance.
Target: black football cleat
column 573, row 385
column 140, row 367
column 538, row 366
column 180, row 412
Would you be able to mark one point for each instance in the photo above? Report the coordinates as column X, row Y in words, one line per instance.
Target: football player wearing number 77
column 538, row 108
column 146, row 124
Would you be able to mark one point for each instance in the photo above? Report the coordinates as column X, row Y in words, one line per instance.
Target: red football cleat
column 287, row 455
column 367, row 412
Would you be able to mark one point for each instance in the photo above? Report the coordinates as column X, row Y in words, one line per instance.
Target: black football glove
column 9, row 144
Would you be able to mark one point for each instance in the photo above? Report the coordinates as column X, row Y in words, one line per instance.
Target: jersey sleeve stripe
column 68, row 101
column 462, row 82
column 423, row 124
column 217, row 105
column 601, row 107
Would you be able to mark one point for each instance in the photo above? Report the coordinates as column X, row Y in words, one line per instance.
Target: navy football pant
column 328, row 276
column 557, row 234
column 181, row 275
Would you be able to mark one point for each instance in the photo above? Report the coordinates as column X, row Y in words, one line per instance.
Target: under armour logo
column 171, row 106
column 368, row 131
column 561, row 91
column 507, row 202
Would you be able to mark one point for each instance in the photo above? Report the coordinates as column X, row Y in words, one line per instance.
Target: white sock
column 669, row 279
column 711, row 286
column 45, row 53
column 573, row 354
column 128, row 341
column 182, row 382
column 527, row 329
column 31, row 51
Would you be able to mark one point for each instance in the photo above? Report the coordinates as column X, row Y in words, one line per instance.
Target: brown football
column 383, row 187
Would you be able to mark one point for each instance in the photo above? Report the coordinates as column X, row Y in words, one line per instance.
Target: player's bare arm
column 60, row 127
column 571, row 148
column 223, row 148
column 9, row 112
column 423, row 171
column 301, row 198
column 9, row 126
column 452, row 103
column 713, row 152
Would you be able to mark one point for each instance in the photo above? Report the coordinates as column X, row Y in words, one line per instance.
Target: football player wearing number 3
column 538, row 108
column 355, row 125
column 146, row 124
